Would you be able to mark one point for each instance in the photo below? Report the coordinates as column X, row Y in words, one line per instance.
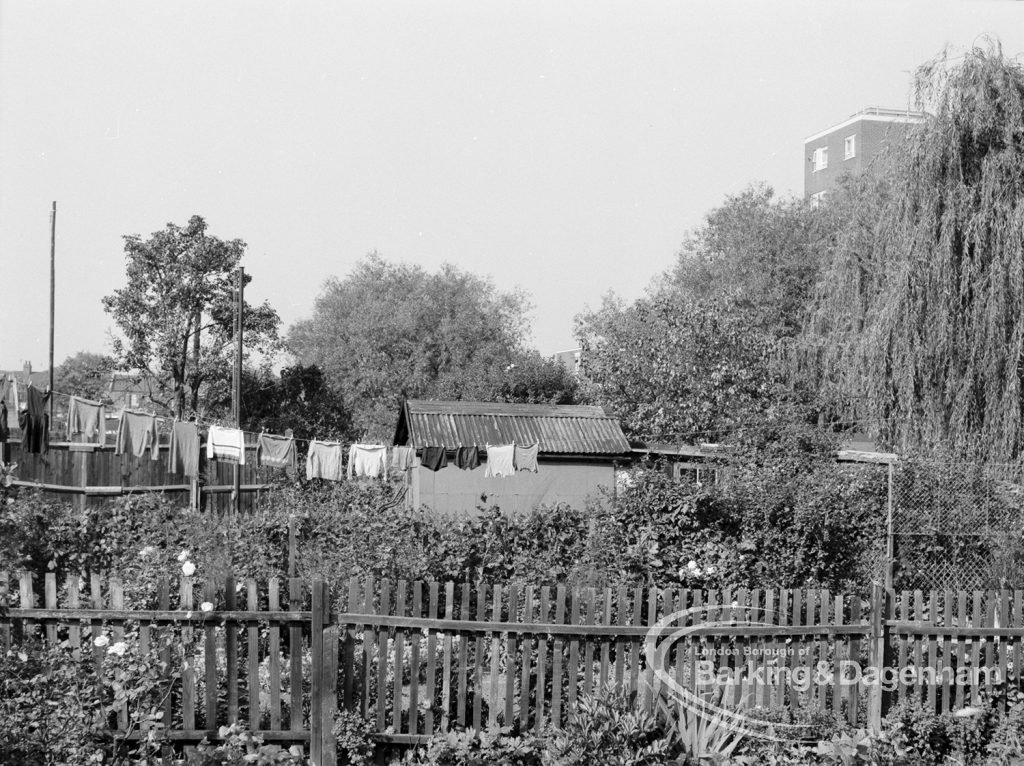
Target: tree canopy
column 762, row 252
column 676, row 369
column 299, row 399
column 701, row 354
column 920, row 319
column 387, row 332
column 85, row 374
column 176, row 312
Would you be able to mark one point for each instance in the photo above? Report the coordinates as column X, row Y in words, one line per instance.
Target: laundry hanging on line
column 4, row 429
column 87, row 418
column 467, row 458
column 34, row 422
column 136, row 432
column 183, row 450
column 526, row 457
column 434, row 458
column 367, row 460
column 500, row 460
column 276, row 451
column 403, row 458
column 225, row 444
column 325, row 460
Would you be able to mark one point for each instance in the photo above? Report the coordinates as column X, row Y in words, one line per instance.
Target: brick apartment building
column 851, row 146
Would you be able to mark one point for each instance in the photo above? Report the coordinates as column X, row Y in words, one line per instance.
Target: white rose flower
column 692, row 565
column 710, row 570
column 183, row 556
column 119, row 648
column 206, row 606
column 188, row 569
column 101, row 641
column 147, row 551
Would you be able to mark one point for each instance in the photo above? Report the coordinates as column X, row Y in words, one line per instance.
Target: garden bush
column 56, row 708
column 490, row 747
column 609, row 729
column 783, row 515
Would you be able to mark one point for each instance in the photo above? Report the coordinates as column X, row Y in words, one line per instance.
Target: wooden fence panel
column 420, row 659
column 92, row 474
column 218, row 638
column 525, row 653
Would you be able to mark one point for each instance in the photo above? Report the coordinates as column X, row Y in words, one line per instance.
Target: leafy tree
column 762, row 252
column 708, row 348
column 299, row 399
column 803, row 519
column 921, row 319
column 85, row 374
column 388, row 332
column 176, row 312
column 528, row 378
column 675, row 369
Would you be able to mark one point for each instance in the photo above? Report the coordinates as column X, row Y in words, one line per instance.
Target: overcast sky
column 562, row 147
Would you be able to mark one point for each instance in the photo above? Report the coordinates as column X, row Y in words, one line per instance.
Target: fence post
column 317, row 641
column 323, row 695
column 329, row 696
column 890, row 536
column 293, row 546
column 80, row 461
column 879, row 656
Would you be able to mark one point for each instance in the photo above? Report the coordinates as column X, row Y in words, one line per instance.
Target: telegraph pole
column 236, row 380
column 53, row 281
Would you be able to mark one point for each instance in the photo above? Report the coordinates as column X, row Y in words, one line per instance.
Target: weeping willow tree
column 920, row 315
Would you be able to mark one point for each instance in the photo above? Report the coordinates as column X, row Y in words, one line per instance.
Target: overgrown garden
column 895, row 310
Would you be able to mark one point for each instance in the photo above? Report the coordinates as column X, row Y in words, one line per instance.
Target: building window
column 850, row 147
column 817, row 198
column 820, row 158
column 694, row 473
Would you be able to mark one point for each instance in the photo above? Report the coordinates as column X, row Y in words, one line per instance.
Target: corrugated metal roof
column 565, row 429
column 430, row 406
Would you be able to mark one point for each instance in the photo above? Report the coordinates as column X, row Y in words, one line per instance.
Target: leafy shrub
column 354, row 737
column 56, row 708
column 490, row 747
column 811, row 723
column 238, row 747
column 924, row 736
column 760, row 527
column 48, row 713
column 608, row 729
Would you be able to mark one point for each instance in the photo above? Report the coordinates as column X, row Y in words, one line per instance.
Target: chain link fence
column 957, row 526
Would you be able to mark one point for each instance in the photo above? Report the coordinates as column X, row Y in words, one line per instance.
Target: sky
column 565, row 148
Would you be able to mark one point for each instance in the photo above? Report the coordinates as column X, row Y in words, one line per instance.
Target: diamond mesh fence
column 957, row 526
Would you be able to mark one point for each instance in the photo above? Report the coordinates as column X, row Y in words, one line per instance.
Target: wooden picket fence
column 263, row 656
column 425, row 658
column 940, row 633
column 418, row 659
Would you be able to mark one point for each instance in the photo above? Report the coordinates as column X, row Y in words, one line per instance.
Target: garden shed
column 578, row 450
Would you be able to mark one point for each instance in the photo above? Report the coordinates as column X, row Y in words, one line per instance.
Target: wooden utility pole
column 236, row 388
column 53, row 281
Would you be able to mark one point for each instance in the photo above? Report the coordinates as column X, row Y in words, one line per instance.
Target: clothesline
column 199, row 422
column 137, row 432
